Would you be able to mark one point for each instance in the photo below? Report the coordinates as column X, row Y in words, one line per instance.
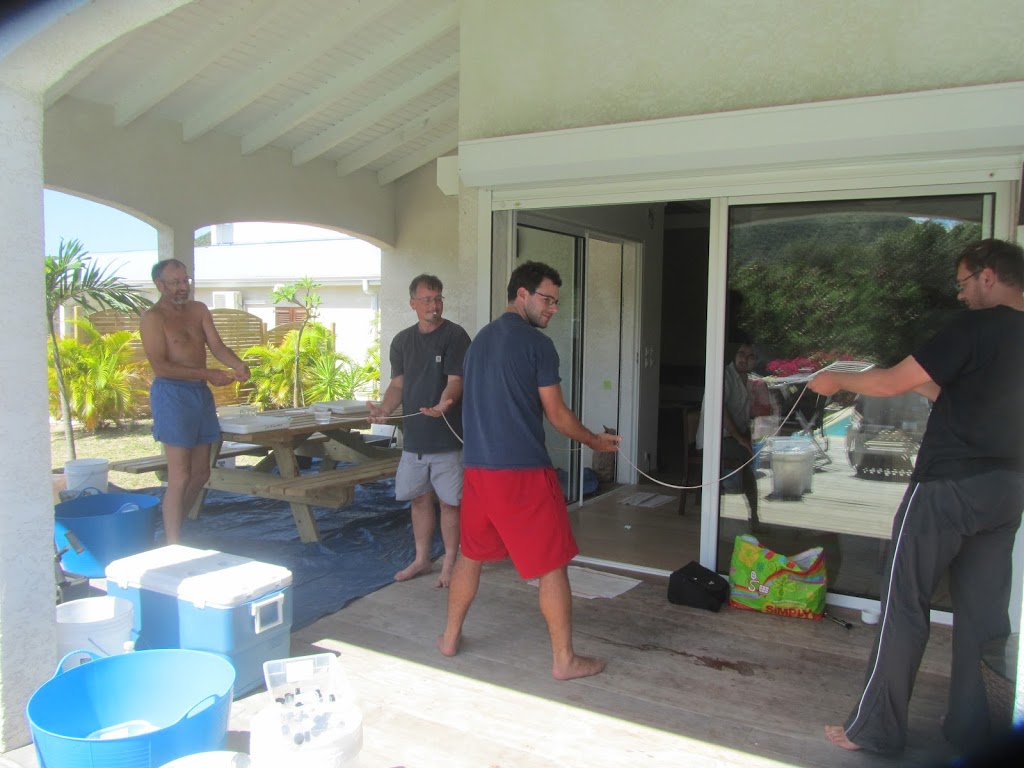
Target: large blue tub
column 109, row 526
column 135, row 710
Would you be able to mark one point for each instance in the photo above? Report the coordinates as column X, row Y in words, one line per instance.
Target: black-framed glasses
column 959, row 284
column 551, row 301
column 428, row 300
column 187, row 282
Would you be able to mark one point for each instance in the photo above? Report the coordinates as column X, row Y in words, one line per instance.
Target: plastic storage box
column 205, row 600
column 312, row 718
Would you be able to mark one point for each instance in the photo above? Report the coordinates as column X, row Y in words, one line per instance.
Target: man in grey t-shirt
column 426, row 378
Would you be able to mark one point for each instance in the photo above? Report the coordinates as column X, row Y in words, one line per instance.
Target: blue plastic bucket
column 136, row 710
column 109, row 525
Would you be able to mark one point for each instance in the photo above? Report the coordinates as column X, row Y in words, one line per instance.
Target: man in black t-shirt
column 426, row 378
column 962, row 507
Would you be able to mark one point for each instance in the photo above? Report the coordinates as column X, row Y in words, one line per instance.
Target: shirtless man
column 175, row 334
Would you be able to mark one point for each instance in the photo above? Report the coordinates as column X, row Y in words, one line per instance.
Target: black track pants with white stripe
column 967, row 525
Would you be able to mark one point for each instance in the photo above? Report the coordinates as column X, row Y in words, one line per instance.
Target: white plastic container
column 205, row 600
column 312, row 718
column 86, row 473
column 792, row 462
column 101, row 625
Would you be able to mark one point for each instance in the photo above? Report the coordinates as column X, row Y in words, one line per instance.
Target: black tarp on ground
column 362, row 545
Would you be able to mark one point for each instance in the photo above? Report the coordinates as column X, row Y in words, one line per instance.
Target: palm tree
column 72, row 277
column 324, row 374
column 310, row 302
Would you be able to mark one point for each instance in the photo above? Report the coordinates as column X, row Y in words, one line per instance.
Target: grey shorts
column 418, row 473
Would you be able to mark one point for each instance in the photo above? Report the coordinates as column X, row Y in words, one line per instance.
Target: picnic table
column 289, row 434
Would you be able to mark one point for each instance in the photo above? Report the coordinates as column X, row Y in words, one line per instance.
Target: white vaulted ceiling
column 367, row 84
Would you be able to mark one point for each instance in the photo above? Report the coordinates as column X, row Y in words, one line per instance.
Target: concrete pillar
column 177, row 242
column 28, row 644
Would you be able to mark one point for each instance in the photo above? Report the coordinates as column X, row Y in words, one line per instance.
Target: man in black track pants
column 962, row 507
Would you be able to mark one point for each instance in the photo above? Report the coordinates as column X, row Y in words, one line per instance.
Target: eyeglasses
column 187, row 282
column 551, row 301
column 428, row 300
column 959, row 284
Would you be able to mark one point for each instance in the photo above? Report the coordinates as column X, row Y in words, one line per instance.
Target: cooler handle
column 257, row 612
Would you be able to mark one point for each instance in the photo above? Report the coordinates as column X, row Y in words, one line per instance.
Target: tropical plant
column 71, row 277
column 860, row 287
column 372, row 361
column 323, row 373
column 309, row 300
column 105, row 382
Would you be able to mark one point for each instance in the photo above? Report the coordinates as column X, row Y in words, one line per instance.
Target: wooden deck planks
column 682, row 686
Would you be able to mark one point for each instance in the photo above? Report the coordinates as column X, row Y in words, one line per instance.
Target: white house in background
column 246, row 261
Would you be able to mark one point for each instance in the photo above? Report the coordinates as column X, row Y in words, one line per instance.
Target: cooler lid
column 203, row 577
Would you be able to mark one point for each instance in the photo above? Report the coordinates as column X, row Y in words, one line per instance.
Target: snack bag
column 770, row 582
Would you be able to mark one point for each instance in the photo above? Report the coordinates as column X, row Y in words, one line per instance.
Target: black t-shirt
column 425, row 361
column 977, row 422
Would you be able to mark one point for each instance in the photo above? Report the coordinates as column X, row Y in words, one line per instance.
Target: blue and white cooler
column 205, row 600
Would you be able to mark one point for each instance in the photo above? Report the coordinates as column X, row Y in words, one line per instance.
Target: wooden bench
column 159, row 463
column 330, row 487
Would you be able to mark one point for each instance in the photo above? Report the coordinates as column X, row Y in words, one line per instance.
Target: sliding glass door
column 853, row 283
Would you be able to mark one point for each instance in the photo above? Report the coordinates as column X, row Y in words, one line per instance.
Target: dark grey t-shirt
column 425, row 361
column 977, row 421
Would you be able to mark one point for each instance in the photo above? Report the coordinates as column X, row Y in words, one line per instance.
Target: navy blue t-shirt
column 504, row 420
column 425, row 361
column 977, row 421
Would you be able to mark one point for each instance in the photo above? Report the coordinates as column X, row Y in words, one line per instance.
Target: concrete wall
column 427, row 241
column 534, row 65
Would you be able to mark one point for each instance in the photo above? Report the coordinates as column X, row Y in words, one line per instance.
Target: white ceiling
column 363, row 83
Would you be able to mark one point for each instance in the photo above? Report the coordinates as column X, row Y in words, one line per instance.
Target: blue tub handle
column 200, row 706
column 68, row 655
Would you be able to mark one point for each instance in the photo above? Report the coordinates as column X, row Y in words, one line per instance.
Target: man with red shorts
column 512, row 502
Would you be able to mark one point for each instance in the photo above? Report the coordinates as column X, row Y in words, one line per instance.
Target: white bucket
column 211, row 760
column 86, row 473
column 101, row 625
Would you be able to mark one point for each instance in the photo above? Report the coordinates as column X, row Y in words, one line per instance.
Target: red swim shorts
column 516, row 513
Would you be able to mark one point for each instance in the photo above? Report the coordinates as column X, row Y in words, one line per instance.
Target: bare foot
column 837, row 735
column 579, row 666
column 414, row 570
column 445, row 579
column 449, row 647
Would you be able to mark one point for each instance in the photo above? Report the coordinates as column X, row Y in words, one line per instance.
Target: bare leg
column 179, row 471
column 199, row 475
column 556, row 607
column 837, row 735
column 465, row 582
column 450, row 536
column 423, row 533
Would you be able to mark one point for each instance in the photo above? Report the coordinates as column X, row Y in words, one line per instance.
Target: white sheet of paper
column 642, row 499
column 588, row 583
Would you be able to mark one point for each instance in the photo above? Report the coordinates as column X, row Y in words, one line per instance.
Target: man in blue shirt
column 512, row 504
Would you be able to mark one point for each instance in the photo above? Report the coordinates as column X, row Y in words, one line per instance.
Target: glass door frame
column 1000, row 217
column 502, row 247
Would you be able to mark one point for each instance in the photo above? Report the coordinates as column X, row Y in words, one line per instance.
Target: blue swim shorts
column 184, row 414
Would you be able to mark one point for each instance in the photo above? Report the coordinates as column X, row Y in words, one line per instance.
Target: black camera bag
column 697, row 586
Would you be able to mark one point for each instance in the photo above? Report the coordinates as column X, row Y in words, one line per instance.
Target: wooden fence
column 237, row 328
